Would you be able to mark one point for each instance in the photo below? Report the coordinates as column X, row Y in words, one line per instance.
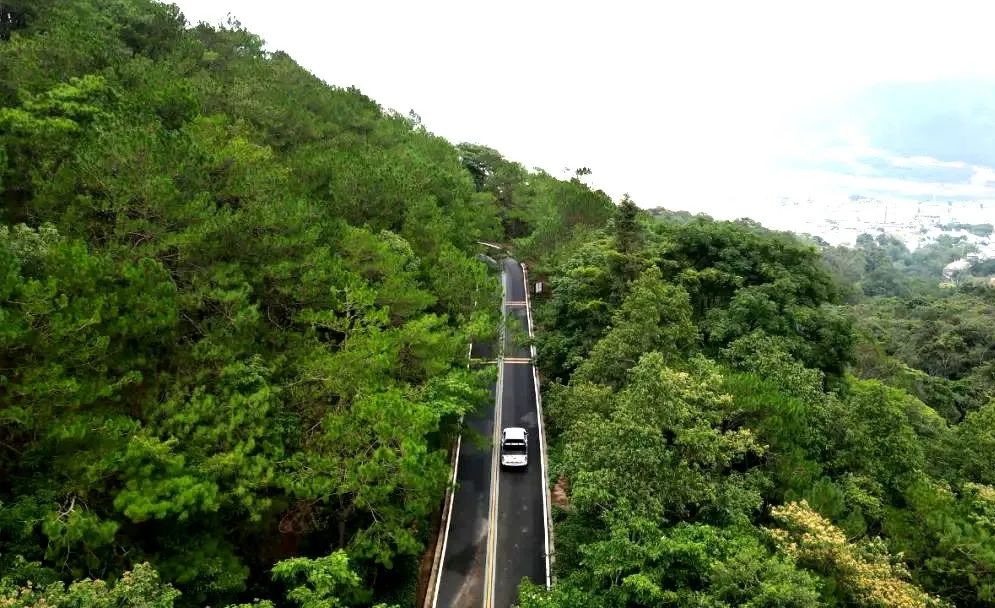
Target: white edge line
column 542, row 440
column 447, row 512
column 449, row 519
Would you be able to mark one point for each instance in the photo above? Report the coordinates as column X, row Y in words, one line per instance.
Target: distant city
column 840, row 221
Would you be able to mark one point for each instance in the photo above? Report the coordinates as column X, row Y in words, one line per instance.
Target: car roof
column 514, row 432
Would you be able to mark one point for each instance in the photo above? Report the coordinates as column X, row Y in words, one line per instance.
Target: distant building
column 951, row 270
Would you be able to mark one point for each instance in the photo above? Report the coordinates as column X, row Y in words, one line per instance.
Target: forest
column 741, row 417
column 235, row 304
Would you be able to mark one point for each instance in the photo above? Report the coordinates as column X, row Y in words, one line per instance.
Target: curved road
column 496, row 533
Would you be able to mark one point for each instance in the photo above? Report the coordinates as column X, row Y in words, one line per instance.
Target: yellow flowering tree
column 865, row 571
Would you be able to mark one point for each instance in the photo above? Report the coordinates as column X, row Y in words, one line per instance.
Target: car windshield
column 514, row 447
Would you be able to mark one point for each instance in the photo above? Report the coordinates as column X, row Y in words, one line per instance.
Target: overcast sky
column 681, row 104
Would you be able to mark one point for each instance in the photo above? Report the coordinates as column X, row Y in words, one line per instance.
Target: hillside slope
column 234, row 309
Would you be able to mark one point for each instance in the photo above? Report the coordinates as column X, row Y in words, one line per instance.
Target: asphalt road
column 461, row 577
column 516, row 533
column 521, row 535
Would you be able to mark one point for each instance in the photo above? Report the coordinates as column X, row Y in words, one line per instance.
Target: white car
column 514, row 447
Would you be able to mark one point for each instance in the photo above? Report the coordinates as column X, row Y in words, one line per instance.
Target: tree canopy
column 730, row 432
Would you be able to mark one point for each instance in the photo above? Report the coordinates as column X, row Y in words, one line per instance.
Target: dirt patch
column 560, row 493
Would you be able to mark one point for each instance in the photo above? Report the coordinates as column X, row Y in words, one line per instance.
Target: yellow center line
column 491, row 558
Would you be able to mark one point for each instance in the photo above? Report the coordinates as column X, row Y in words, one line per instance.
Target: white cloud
column 924, row 161
column 837, row 184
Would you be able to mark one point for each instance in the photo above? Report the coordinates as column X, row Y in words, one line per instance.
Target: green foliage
column 139, row 587
column 883, row 265
column 984, row 268
column 888, row 434
column 938, row 347
column 504, row 180
column 675, row 433
column 973, row 446
column 585, row 293
column 948, row 537
column 975, row 229
column 676, row 462
column 627, row 231
column 738, row 278
column 688, row 565
column 654, row 316
column 325, row 582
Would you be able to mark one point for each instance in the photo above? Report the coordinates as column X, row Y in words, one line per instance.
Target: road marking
column 516, row 303
column 445, row 537
column 542, row 440
column 447, row 512
column 491, row 558
column 517, row 361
